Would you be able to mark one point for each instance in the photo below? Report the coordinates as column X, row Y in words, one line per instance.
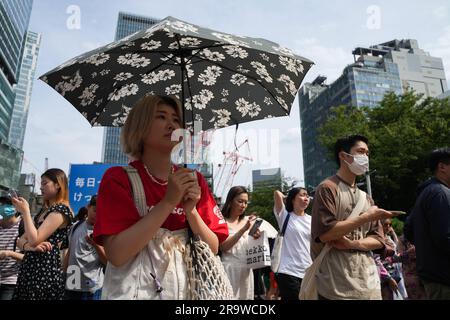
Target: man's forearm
column 342, row 228
column 368, row 244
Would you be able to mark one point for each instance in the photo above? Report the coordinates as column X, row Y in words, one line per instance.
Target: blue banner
column 84, row 181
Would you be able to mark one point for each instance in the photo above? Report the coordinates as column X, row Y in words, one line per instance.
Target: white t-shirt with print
column 295, row 254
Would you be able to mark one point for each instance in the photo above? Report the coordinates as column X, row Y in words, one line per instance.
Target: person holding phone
column 40, row 275
column 10, row 257
column 348, row 270
column 295, row 255
column 233, row 249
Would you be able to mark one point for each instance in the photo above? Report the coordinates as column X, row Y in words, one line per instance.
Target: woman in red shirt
column 146, row 253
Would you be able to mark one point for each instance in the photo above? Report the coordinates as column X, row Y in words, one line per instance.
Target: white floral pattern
column 127, row 90
column 151, row 45
column 268, row 101
column 104, row 72
column 262, row 71
column 121, row 117
column 134, row 60
column 292, row 65
column 264, row 56
column 200, row 101
column 97, row 59
column 69, row 84
column 230, row 39
column 236, row 52
column 221, row 118
column 155, row 77
column 210, row 75
column 238, row 79
column 190, row 42
column 174, row 89
column 88, row 95
column 244, row 107
column 289, row 85
column 212, row 55
column 123, row 76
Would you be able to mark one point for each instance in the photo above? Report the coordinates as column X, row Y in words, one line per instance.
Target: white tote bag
column 257, row 252
column 277, row 245
column 308, row 289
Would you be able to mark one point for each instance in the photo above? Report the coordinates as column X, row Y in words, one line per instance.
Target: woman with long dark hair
column 233, row 249
column 40, row 275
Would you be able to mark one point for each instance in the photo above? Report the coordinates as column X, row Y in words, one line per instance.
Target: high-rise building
column 14, row 20
column 393, row 66
column 267, row 178
column 417, row 69
column 23, row 89
column 127, row 24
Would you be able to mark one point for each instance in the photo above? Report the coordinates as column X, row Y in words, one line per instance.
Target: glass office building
column 394, row 66
column 14, row 19
column 23, row 89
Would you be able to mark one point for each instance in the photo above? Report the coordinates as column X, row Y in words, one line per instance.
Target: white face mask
column 360, row 164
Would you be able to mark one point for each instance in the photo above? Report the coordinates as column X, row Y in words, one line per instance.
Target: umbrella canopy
column 221, row 79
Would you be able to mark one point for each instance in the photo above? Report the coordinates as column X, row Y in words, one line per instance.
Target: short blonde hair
column 139, row 122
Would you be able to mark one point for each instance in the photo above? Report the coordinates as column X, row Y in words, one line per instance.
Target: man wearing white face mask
column 345, row 219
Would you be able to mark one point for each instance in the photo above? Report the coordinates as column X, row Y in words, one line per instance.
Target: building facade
column 127, row 24
column 393, row 66
column 14, row 20
column 264, row 178
column 23, row 89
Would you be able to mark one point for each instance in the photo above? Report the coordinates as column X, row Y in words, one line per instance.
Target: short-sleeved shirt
column 116, row 210
column 9, row 267
column 343, row 274
column 295, row 252
column 83, row 255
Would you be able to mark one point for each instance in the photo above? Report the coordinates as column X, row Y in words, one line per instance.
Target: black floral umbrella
column 221, row 79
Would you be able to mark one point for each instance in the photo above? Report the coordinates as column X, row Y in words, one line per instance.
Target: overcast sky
column 325, row 32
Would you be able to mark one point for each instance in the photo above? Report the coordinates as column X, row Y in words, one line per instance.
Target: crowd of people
column 114, row 249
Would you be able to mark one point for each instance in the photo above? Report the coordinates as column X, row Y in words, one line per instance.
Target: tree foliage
column 402, row 131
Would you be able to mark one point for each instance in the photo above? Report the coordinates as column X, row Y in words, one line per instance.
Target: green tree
column 402, row 131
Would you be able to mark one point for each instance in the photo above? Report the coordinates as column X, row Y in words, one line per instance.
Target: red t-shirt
column 116, row 210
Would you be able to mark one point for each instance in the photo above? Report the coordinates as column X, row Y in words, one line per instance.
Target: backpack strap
column 140, row 201
column 74, row 227
column 286, row 220
column 137, row 189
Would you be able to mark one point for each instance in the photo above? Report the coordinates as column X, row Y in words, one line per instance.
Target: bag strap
column 137, row 190
column 74, row 227
column 286, row 220
column 359, row 204
column 356, row 211
column 140, row 201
